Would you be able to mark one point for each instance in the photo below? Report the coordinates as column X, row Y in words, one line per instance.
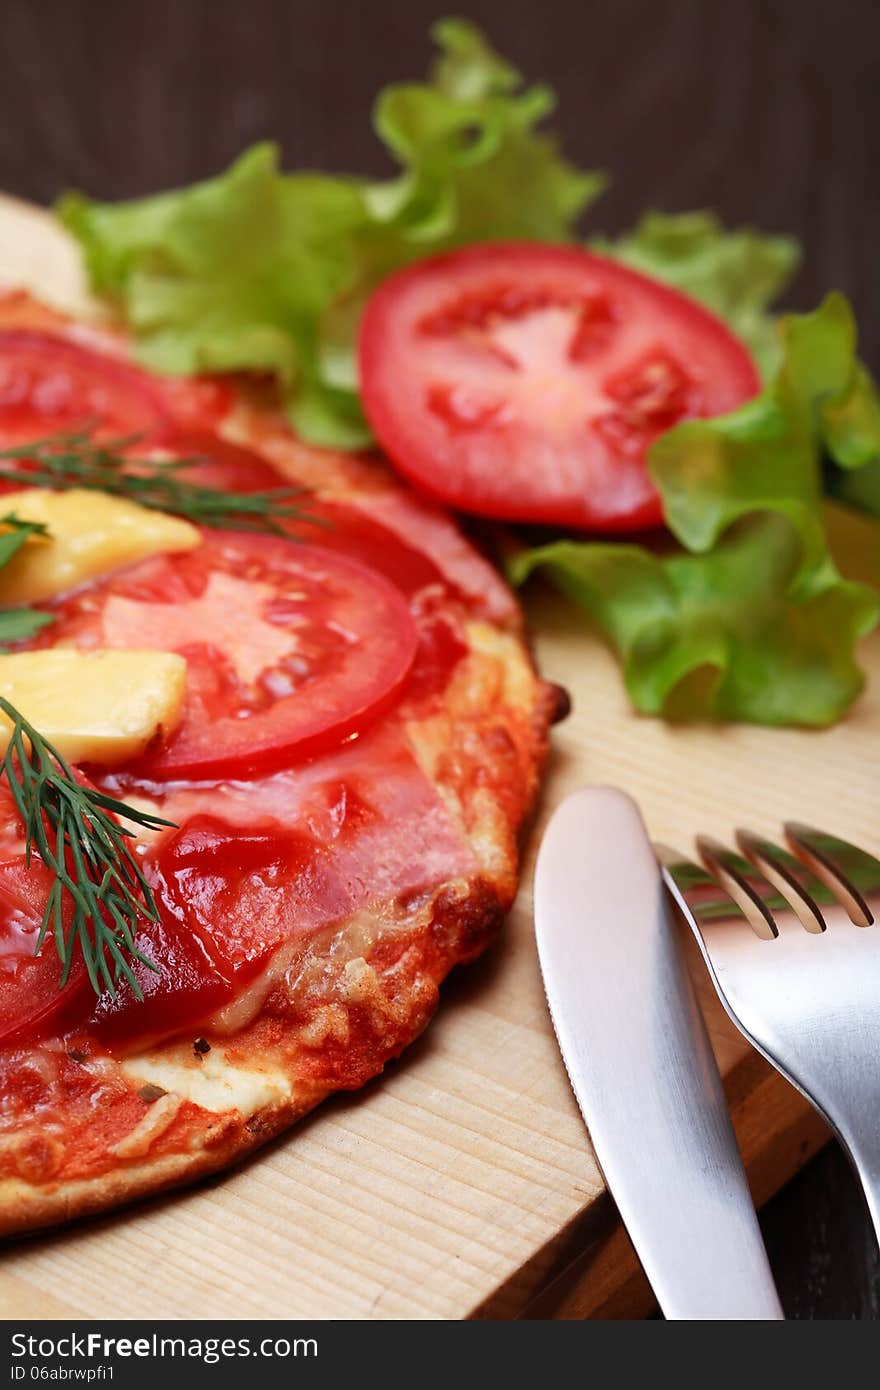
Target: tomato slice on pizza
column 49, row 383
column 289, row 647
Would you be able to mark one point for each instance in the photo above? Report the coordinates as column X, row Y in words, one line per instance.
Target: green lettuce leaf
column 854, row 474
column 751, row 620
column 729, row 617
column 860, row 489
column 230, row 274
column 737, row 274
column 267, row 271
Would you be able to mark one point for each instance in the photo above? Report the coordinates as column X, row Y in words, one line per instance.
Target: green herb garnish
column 16, row 624
column 76, row 459
column 72, row 829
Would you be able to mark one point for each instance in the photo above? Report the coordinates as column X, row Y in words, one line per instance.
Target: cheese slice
column 90, row 534
column 96, row 707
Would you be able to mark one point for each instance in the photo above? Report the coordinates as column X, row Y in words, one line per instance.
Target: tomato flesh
column 48, row 384
column 528, row 382
column 290, row 648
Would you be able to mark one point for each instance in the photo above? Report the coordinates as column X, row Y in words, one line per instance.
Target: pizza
column 338, row 724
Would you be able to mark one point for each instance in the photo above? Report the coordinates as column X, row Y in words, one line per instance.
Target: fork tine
column 790, row 876
column 701, row 895
column 850, row 873
column 745, row 883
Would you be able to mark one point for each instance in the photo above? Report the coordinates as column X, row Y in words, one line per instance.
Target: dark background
column 766, row 110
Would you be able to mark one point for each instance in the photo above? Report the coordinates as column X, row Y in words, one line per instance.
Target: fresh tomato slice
column 290, row 648
column 232, row 467
column 526, row 382
column 338, row 527
column 32, row 1004
column 48, row 383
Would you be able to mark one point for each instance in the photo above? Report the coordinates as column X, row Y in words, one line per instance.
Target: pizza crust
column 225, row 1138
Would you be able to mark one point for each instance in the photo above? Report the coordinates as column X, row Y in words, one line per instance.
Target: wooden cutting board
column 462, row 1183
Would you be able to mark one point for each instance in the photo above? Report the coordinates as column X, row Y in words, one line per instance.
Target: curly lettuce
column 751, row 620
column 860, row 490
column 264, row 271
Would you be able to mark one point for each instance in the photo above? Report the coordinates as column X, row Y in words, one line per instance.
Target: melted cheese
column 249, row 1001
column 98, row 707
column 160, row 1116
column 214, row 1083
column 90, row 533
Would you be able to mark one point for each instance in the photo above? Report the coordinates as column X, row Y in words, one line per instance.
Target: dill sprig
column 76, row 459
column 73, row 829
column 18, row 623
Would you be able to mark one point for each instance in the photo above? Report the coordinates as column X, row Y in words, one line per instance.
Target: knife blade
column 641, row 1065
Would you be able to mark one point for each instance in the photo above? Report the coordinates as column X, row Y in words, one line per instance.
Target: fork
column 791, row 943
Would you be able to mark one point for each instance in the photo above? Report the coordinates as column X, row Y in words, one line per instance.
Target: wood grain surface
column 766, row 110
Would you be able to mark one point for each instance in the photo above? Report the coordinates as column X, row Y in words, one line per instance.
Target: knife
column 641, row 1065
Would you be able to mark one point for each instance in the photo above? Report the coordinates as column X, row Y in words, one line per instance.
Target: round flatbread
column 312, row 901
